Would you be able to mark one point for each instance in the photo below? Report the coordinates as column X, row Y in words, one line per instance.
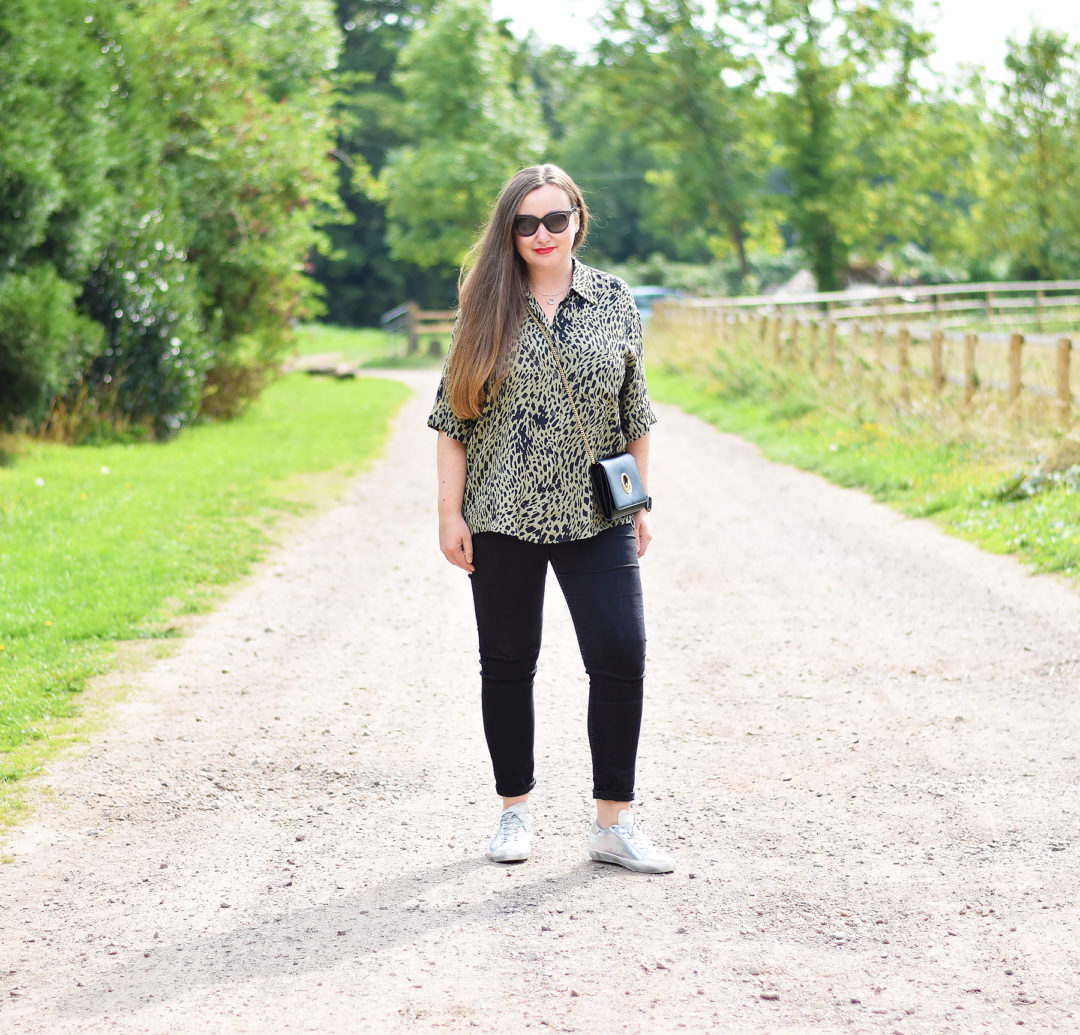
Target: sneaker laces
column 636, row 836
column 510, row 824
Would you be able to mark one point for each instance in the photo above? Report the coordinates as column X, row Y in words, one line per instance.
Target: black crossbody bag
column 616, row 481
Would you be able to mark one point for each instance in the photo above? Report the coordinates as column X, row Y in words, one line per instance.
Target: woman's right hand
column 455, row 541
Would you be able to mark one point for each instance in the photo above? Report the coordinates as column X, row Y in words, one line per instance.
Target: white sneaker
column 513, row 840
column 626, row 844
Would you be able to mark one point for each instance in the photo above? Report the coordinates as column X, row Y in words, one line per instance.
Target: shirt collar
column 584, row 282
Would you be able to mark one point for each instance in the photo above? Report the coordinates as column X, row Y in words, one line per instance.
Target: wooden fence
column 415, row 326
column 944, row 305
column 1014, row 364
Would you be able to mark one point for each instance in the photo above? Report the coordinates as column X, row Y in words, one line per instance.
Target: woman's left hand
column 642, row 533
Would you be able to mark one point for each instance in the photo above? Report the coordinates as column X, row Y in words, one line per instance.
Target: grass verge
column 1007, row 491
column 370, row 347
column 105, row 544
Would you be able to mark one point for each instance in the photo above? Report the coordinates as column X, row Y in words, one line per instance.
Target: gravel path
column 861, row 742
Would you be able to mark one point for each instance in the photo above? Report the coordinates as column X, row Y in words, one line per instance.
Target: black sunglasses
column 556, row 222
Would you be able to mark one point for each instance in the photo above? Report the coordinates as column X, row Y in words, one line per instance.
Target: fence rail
column 1012, row 365
column 945, row 304
column 416, row 325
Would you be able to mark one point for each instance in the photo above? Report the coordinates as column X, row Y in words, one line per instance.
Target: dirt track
column 861, row 742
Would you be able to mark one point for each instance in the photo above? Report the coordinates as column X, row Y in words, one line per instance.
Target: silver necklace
column 551, row 299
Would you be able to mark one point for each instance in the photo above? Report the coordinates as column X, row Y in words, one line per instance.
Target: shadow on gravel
column 314, row 938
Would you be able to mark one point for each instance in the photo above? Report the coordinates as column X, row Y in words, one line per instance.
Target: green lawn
column 370, row 346
column 105, row 544
column 365, row 343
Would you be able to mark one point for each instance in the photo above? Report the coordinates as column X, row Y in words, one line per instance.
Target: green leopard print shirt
column 526, row 465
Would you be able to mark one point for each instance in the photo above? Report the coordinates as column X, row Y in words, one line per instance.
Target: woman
column 533, row 325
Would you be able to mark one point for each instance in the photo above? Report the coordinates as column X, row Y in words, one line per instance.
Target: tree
column 849, row 66
column 910, row 175
column 612, row 165
column 249, row 136
column 675, row 77
column 471, row 123
column 1031, row 210
column 239, row 94
column 361, row 278
column 59, row 148
column 164, row 169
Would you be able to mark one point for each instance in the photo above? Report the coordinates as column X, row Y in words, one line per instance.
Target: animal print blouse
column 526, row 465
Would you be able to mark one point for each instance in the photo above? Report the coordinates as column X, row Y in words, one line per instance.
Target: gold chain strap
column 566, row 383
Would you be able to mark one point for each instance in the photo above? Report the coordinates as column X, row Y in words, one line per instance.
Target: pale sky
column 967, row 31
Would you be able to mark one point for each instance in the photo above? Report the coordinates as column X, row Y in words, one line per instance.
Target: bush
column 231, row 387
column 220, row 113
column 155, row 359
column 43, row 341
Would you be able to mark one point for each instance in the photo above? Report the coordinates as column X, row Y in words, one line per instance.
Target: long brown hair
column 491, row 292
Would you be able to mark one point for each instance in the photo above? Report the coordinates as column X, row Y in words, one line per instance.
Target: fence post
column 793, row 340
column 904, row 363
column 879, row 352
column 1016, row 351
column 937, row 368
column 411, row 332
column 1039, row 309
column 811, row 349
column 1064, row 388
column 970, row 341
column 763, row 327
column 830, row 348
column 854, row 344
column 776, row 329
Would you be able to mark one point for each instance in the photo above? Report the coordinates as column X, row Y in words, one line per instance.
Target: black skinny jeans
column 601, row 582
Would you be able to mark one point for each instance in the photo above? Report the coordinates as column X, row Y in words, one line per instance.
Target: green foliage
column 170, row 163
column 248, row 134
column 918, row 160
column 716, row 278
column 611, row 167
column 361, row 279
column 43, row 341
column 141, row 294
column 846, row 124
column 607, row 160
column 1034, row 159
column 471, row 126
column 59, row 147
column 225, row 124
column 667, row 56
column 58, row 139
column 108, row 543
column 851, row 149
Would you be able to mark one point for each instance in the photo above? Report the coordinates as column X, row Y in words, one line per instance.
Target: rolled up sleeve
column 635, row 410
column 442, row 418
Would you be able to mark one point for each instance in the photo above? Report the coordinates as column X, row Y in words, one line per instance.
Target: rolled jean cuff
column 602, row 795
column 511, row 792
